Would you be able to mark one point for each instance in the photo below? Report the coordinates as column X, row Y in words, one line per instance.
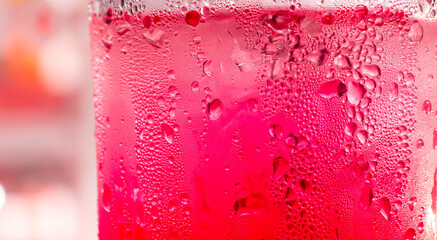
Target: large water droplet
column 426, row 107
column 154, row 37
column 420, row 144
column 332, row 89
column 317, row 58
column 207, row 67
column 195, row 86
column 168, row 132
column 215, row 109
column 350, row 128
column 304, row 186
column 362, row 136
column 366, row 197
column 281, row 166
column 416, row 32
column 355, row 92
column 420, row 227
column 252, row 105
column 192, row 18
column 311, row 26
column 342, row 62
column 252, row 204
column 371, row 71
column 393, row 91
column 360, row 12
column 106, row 197
column 410, row 234
column 385, row 208
column 276, row 131
column 434, row 139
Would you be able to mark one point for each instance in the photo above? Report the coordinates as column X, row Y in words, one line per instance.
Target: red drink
column 265, row 123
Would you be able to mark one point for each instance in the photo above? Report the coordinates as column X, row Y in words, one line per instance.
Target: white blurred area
column 48, row 182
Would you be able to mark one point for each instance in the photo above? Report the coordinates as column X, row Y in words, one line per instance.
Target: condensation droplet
column 317, row 58
column 350, row 129
column 332, row 89
column 434, row 140
column 252, row 204
column 416, row 32
column 420, row 144
column 426, row 107
column 420, row 227
column 195, row 86
column 342, row 62
column 410, row 234
column 355, row 92
column 281, row 166
column 366, row 197
column 252, row 105
column 106, row 197
column 276, row 131
column 393, row 91
column 168, row 132
column 362, row 136
column 385, row 208
column 192, row 18
column 207, row 67
column 215, row 109
column 371, row 71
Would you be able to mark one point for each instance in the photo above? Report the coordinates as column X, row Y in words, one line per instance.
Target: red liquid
column 252, row 123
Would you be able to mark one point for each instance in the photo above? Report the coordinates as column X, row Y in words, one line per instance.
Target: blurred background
column 47, row 161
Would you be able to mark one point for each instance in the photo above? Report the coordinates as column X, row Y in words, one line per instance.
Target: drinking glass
column 259, row 119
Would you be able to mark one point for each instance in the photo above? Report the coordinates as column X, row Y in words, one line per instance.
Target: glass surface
column 265, row 120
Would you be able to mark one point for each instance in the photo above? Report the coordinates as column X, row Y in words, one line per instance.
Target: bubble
column 426, row 107
column 385, row 208
column 215, row 109
column 276, row 131
column 355, row 93
column 192, row 18
column 168, row 133
column 332, row 89
column 410, row 234
column 416, row 32
column 342, row 62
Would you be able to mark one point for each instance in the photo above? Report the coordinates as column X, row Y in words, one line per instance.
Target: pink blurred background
column 47, row 160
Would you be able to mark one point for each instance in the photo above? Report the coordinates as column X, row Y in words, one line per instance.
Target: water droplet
column 107, row 18
column 409, row 78
column 106, row 197
column 371, row 71
column 370, row 84
column 366, row 197
column 311, row 26
column 362, row 136
column 154, row 37
column 107, row 39
column 379, row 21
column 410, row 234
column 393, row 92
column 434, row 140
column 147, row 21
column 192, row 18
column 416, row 32
column 252, row 105
column 197, row 39
column 328, row 19
column 304, row 186
column 289, row 194
column 291, row 140
column 195, row 86
column 426, row 107
column 342, row 62
column 281, row 166
column 171, row 74
column 332, row 89
column 317, row 58
column 252, row 204
column 350, row 128
column 215, row 109
column 207, row 67
column 355, row 92
column 420, row 144
column 412, row 203
column 123, row 28
column 385, row 208
column 276, row 131
column 420, row 227
column 205, row 11
column 360, row 12
column 168, row 132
